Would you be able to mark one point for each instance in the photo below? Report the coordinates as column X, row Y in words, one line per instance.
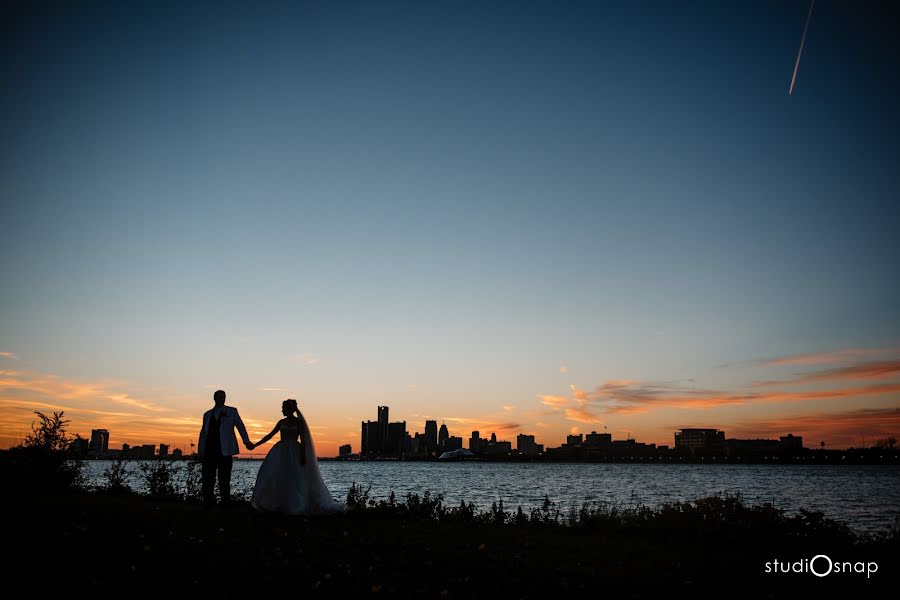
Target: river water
column 865, row 497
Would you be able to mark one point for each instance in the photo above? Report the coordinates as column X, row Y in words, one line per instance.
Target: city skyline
column 384, row 439
column 550, row 219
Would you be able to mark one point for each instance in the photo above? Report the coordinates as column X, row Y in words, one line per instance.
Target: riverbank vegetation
column 67, row 539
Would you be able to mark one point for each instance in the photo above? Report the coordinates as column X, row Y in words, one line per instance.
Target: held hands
column 251, row 446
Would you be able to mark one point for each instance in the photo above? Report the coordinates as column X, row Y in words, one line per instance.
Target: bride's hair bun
column 290, row 403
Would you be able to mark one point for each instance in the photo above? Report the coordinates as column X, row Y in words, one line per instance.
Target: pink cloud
column 833, row 357
column 869, row 370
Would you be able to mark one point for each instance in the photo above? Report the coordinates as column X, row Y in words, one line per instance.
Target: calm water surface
column 865, row 497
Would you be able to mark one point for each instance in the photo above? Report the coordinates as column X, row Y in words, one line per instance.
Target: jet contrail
column 800, row 51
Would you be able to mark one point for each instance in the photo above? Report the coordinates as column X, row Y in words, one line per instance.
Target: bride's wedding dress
column 284, row 484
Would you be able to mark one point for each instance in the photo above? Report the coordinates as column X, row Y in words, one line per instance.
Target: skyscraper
column 431, row 435
column 525, row 445
column 383, row 427
column 99, row 441
column 475, row 442
column 370, row 442
column 443, row 434
column 396, row 439
column 383, row 439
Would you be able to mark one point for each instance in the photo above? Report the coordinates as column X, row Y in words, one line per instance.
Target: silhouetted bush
column 465, row 512
column 426, row 508
column 45, row 461
column 546, row 514
column 357, row 499
column 723, row 516
column 159, row 479
column 116, row 476
column 497, row 515
column 193, row 481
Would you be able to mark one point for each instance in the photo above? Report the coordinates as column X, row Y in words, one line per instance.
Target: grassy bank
column 135, row 545
column 64, row 542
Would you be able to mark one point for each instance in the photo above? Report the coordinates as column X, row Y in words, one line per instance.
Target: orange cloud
column 574, row 409
column 582, row 415
column 838, row 430
column 485, row 427
column 42, row 384
column 9, row 355
column 579, row 395
column 869, row 370
column 833, row 357
column 555, row 402
column 89, row 405
column 630, row 397
column 641, row 398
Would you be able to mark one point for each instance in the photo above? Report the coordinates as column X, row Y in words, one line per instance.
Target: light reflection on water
column 863, row 496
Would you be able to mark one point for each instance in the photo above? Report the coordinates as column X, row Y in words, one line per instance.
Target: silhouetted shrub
column 193, row 481
column 116, row 476
column 426, row 508
column 520, row 518
column 546, row 514
column 357, row 499
column 497, row 514
column 721, row 517
column 465, row 512
column 45, row 461
column 815, row 524
column 159, row 479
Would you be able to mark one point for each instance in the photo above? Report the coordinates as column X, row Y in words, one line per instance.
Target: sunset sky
column 532, row 217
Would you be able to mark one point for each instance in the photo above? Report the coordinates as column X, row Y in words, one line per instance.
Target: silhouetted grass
column 159, row 479
column 116, row 477
column 720, row 517
column 418, row 547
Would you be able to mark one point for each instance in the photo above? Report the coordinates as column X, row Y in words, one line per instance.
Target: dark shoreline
column 832, row 458
column 135, row 545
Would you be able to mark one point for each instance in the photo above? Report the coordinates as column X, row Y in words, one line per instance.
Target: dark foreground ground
column 67, row 545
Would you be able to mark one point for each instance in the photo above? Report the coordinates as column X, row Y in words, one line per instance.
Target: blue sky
column 442, row 206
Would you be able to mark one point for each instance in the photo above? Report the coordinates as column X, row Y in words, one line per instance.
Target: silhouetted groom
column 217, row 447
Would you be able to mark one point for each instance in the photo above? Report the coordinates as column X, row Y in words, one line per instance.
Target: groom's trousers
column 216, row 466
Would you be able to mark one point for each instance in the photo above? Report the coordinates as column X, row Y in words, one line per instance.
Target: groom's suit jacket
column 227, row 422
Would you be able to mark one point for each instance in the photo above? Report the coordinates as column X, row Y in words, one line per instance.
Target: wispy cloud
column 580, row 414
column 269, row 389
column 861, row 379
column 127, row 400
column 306, row 359
column 628, row 397
column 555, row 402
column 863, row 371
column 642, row 398
column 832, row 357
column 52, row 386
column 9, row 355
column 574, row 408
column 837, row 429
column 38, row 405
column 99, row 403
column 579, row 395
column 484, row 426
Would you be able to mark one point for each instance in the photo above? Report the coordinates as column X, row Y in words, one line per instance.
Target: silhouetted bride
column 289, row 480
